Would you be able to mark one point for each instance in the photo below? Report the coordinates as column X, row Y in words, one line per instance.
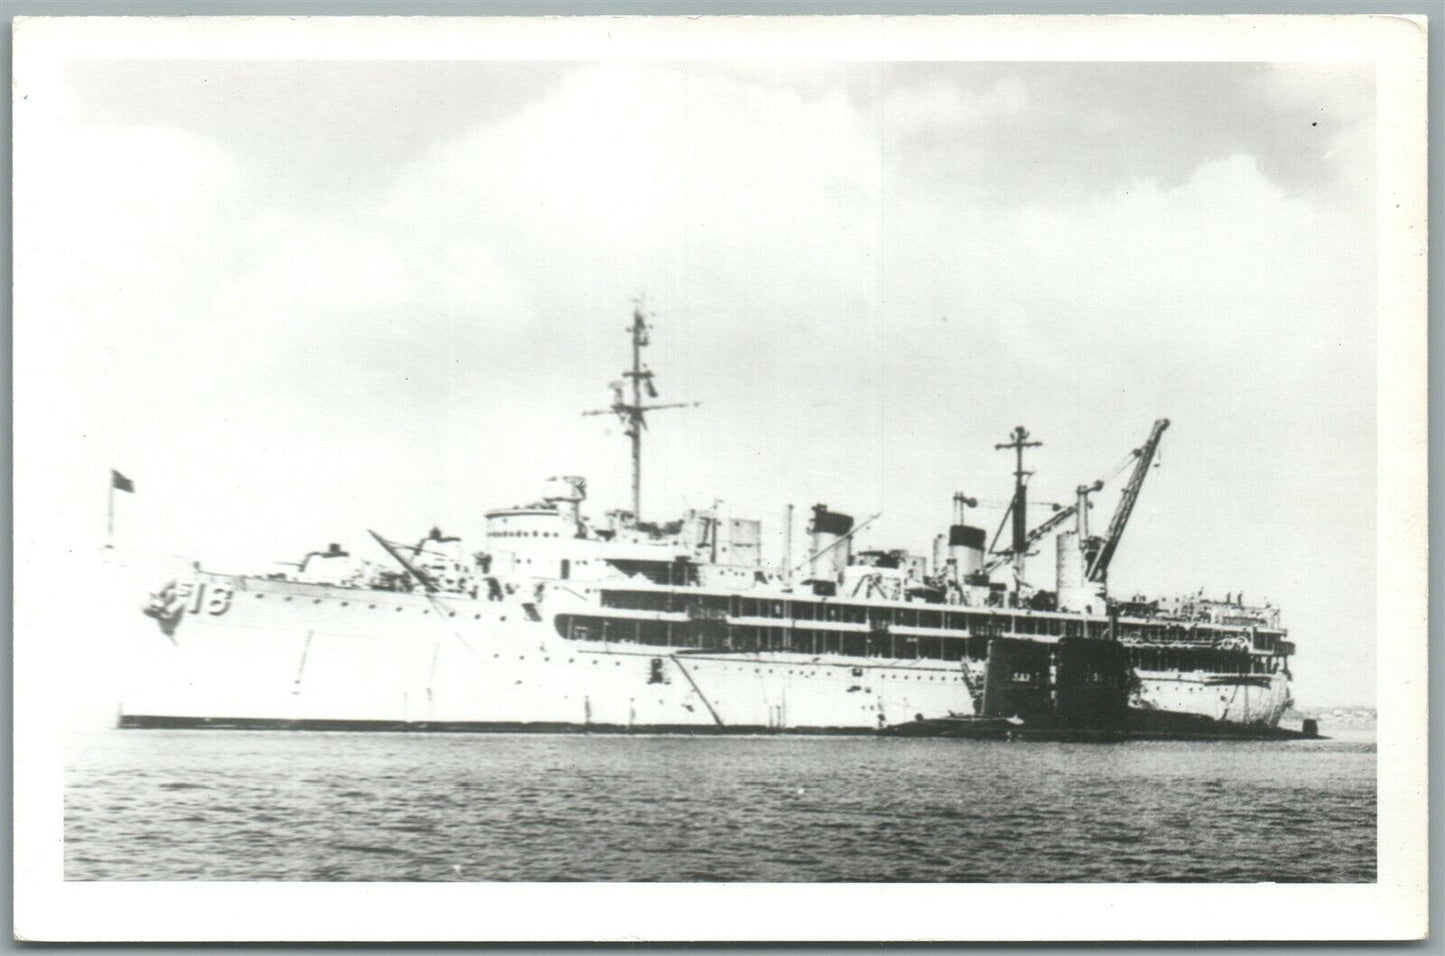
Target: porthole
column 317, row 601
column 398, row 610
column 346, row 604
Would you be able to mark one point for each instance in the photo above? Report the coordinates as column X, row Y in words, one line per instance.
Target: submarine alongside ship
column 1085, row 699
column 563, row 623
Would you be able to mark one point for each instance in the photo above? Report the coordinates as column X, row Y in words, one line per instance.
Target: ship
column 564, row 622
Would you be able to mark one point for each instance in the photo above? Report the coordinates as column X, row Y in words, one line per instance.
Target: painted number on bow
column 220, row 599
column 213, row 600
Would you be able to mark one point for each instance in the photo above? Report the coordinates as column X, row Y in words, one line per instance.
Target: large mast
column 635, row 421
column 1020, row 504
column 633, row 414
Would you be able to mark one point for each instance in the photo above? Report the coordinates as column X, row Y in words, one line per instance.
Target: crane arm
column 421, row 576
column 1054, row 520
column 1099, row 566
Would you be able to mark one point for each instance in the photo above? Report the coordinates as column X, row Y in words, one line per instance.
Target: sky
column 293, row 300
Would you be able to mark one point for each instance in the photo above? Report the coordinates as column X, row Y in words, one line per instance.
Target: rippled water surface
column 227, row 805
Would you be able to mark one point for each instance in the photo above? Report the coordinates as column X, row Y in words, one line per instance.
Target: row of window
column 803, row 672
column 1217, row 662
column 880, row 617
column 373, row 607
column 531, row 609
column 849, row 613
column 717, row 635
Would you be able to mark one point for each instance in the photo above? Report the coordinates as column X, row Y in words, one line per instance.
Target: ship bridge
column 549, row 539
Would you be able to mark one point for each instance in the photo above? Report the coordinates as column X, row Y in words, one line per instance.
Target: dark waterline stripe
column 153, row 722
column 996, row 730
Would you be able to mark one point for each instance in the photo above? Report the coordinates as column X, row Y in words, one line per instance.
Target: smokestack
column 826, row 528
column 965, row 547
column 965, row 544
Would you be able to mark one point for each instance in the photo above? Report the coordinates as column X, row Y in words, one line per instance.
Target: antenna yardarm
column 633, row 414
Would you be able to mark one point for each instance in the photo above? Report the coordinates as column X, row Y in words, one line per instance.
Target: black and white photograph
column 822, row 478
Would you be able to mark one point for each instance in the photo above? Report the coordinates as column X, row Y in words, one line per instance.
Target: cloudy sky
column 296, row 299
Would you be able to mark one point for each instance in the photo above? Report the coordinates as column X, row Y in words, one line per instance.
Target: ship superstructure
column 564, row 622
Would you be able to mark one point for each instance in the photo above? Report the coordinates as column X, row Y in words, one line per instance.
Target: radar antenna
column 632, row 414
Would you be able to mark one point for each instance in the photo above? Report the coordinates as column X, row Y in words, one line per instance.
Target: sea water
column 231, row 805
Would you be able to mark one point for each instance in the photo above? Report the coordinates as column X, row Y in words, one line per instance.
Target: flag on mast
column 121, row 482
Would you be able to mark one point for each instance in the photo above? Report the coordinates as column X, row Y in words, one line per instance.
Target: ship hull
column 1228, row 698
column 232, row 652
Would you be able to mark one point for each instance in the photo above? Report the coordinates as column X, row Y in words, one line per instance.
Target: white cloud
column 924, row 107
